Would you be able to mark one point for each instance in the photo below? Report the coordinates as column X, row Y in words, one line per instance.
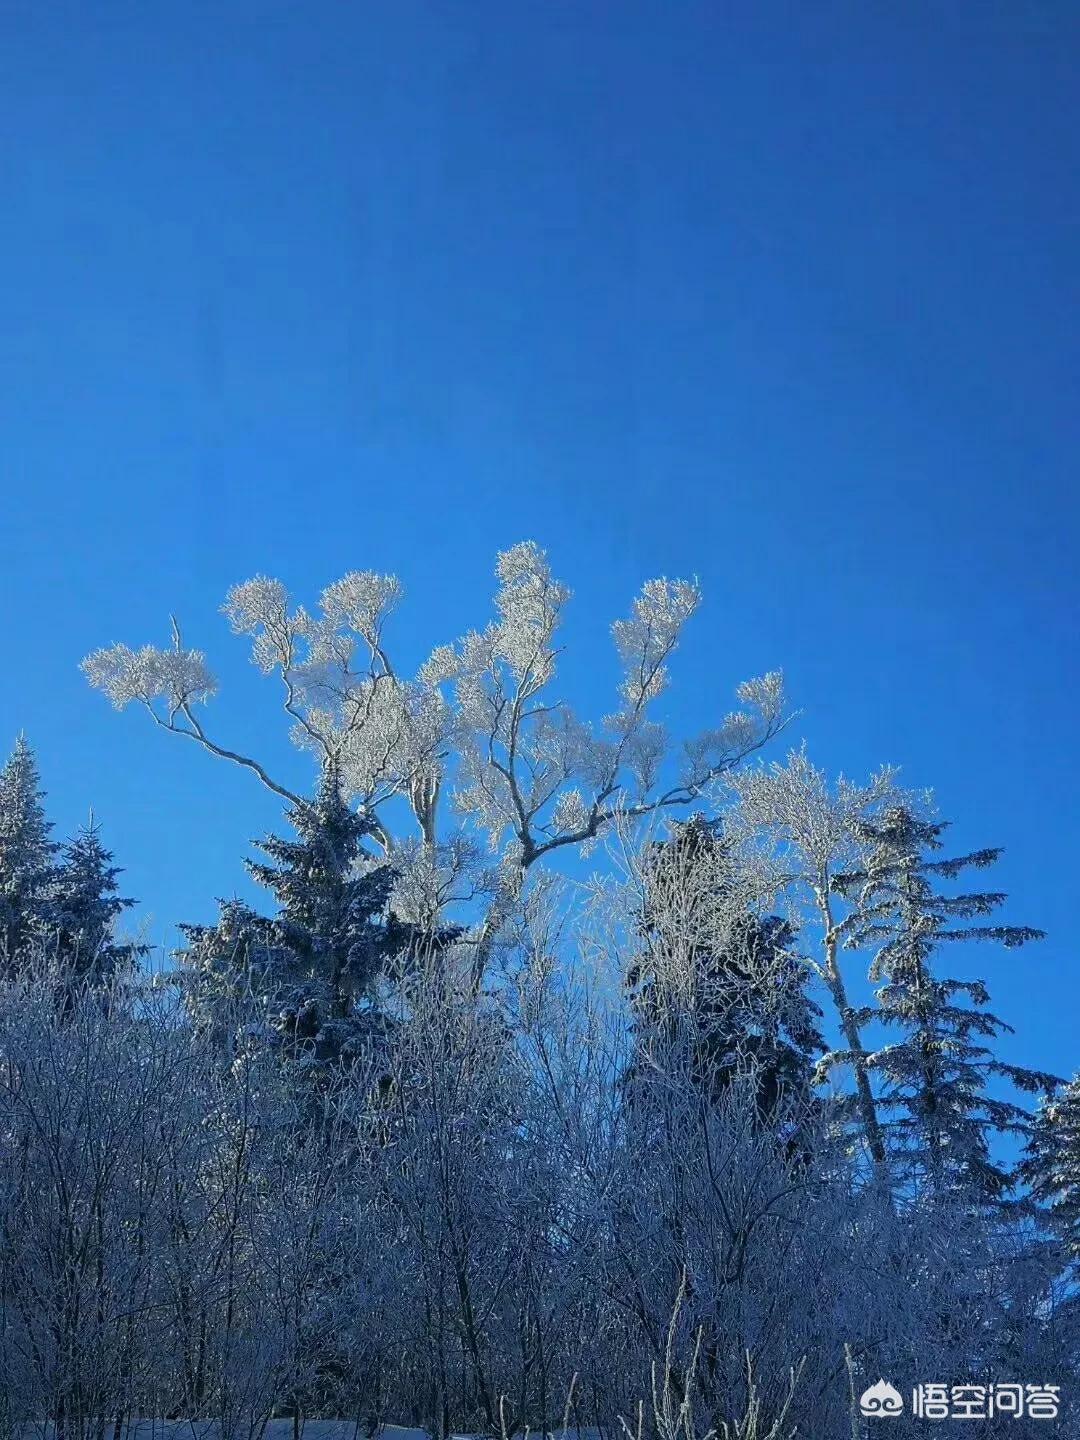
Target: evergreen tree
column 86, row 907
column 311, row 971
column 724, row 977
column 225, row 973
column 1051, row 1163
column 934, row 1077
column 27, row 859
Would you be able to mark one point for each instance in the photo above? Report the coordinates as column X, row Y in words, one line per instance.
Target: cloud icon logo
column 881, row 1400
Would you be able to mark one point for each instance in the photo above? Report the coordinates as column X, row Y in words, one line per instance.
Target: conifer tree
column 715, row 968
column 934, row 1076
column 1051, row 1164
column 86, row 907
column 223, row 969
column 27, row 859
column 310, row 971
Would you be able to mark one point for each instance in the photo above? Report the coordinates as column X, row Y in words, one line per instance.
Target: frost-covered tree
column 27, row 858
column 799, row 832
column 482, row 719
column 719, row 976
column 86, row 908
column 311, row 971
column 934, row 1076
column 223, row 974
column 176, row 1245
column 1051, row 1164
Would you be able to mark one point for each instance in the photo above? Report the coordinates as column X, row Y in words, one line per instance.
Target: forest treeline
column 437, row 1135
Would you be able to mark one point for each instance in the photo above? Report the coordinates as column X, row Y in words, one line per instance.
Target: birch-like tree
column 802, row 832
column 482, row 718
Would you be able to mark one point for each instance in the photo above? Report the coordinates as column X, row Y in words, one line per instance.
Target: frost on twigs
column 179, row 677
column 743, row 731
column 646, row 640
column 480, row 721
column 811, row 823
column 530, row 768
column 430, row 880
column 385, row 735
column 362, row 601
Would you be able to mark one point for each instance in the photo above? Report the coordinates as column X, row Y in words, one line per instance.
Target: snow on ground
column 275, row 1430
column 212, row 1430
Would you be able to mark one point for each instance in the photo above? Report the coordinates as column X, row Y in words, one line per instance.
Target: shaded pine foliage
column 86, row 908
column 306, row 977
column 1051, row 1164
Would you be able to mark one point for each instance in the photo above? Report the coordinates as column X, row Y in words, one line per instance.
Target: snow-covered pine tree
column 1051, row 1164
column 86, row 907
column 934, row 1078
column 27, row 859
column 715, row 974
column 309, row 973
column 223, row 975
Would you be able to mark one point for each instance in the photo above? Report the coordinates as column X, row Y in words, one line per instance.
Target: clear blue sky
column 783, row 295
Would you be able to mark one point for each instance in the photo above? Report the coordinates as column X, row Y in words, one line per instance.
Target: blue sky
column 781, row 295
